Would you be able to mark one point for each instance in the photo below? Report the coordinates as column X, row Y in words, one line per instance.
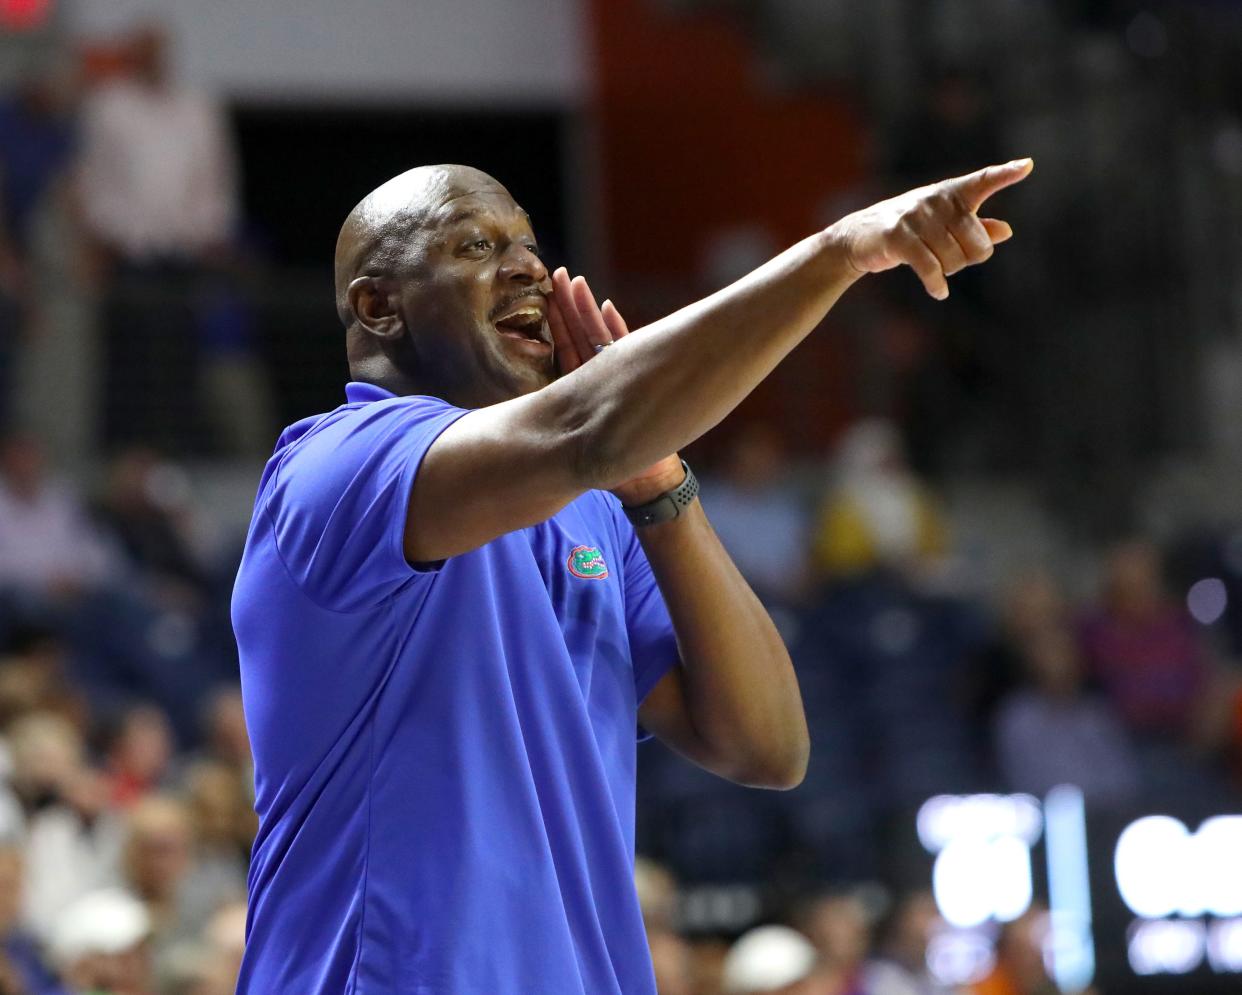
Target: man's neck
column 377, row 371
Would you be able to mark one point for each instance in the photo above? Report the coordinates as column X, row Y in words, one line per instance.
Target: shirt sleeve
column 340, row 499
column 653, row 644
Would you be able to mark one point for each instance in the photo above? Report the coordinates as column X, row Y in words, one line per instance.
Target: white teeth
column 524, row 312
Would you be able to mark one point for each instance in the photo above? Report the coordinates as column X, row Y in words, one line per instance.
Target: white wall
column 447, row 51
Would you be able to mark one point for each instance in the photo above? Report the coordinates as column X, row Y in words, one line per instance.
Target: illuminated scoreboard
column 1140, row 903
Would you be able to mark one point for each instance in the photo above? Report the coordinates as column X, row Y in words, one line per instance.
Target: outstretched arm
column 649, row 395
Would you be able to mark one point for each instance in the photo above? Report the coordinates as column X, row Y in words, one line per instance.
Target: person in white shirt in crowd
column 159, row 193
column 48, row 548
column 72, row 841
column 158, row 173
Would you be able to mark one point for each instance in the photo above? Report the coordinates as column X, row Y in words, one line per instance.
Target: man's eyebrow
column 460, row 215
column 469, row 213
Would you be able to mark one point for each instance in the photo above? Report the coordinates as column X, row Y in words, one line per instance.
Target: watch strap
column 668, row 505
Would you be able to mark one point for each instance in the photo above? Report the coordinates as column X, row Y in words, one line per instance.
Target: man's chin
column 526, row 374
column 538, row 376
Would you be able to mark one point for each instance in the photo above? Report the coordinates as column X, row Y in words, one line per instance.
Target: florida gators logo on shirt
column 587, row 562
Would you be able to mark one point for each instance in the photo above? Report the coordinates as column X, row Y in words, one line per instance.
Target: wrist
column 667, row 506
column 833, row 248
column 665, row 476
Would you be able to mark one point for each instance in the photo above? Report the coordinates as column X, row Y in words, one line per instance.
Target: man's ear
column 374, row 307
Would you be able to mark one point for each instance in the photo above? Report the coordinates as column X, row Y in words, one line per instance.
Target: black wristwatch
column 668, row 505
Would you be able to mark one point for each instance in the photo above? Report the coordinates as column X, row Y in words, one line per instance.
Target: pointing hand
column 935, row 230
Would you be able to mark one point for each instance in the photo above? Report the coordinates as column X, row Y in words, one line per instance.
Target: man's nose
column 523, row 266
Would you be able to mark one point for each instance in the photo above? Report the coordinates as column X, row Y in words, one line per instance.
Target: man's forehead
column 473, row 204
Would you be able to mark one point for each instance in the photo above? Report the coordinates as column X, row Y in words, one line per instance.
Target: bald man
column 470, row 589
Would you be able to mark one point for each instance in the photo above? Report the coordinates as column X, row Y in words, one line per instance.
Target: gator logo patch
column 587, row 562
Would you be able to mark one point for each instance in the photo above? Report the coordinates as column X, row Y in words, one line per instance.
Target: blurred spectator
column 670, row 957
column 226, row 939
column 1020, row 964
column 160, row 196
column 22, row 969
column 1032, row 605
column 758, row 517
column 224, row 729
column 670, row 954
column 707, row 960
column 1143, row 649
column 12, row 292
column 36, row 145
column 211, row 964
column 144, row 508
column 224, row 828
column 771, row 960
column 1055, row 732
column 657, row 894
column 157, row 862
column 139, row 753
column 33, row 678
column 900, row 964
column 838, row 925
column 72, row 841
column 162, row 869
column 47, row 546
column 158, row 171
column 226, row 754
column 876, row 513
column 101, row 945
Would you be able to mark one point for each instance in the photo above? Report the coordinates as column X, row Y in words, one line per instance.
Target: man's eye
column 533, row 248
column 481, row 245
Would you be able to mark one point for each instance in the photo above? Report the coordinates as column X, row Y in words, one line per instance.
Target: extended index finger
column 977, row 187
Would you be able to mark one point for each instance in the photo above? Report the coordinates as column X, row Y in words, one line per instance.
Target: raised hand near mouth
column 581, row 329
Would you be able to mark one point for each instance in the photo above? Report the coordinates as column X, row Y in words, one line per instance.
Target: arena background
column 1002, row 535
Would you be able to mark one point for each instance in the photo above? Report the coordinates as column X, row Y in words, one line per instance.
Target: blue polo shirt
column 445, row 755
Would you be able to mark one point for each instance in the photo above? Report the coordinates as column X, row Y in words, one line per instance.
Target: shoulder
column 340, row 442
column 358, row 421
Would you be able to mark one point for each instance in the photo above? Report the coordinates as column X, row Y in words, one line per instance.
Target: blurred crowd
column 126, row 813
column 835, row 942
column 126, row 786
column 126, row 808
column 124, row 256
column 916, row 684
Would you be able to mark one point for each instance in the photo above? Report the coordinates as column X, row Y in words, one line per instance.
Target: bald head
column 377, row 234
column 431, row 269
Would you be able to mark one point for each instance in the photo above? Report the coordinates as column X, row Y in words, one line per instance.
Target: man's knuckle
column 958, row 204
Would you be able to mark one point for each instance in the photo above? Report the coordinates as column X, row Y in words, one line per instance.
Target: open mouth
column 524, row 320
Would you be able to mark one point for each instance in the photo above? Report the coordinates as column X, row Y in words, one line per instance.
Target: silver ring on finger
column 600, row 347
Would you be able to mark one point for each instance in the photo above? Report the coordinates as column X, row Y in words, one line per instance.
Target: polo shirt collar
column 365, row 393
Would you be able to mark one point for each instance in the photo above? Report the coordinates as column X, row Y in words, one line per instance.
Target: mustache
column 531, row 294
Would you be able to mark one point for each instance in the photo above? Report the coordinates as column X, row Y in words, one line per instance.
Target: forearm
column 655, row 392
column 741, row 696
